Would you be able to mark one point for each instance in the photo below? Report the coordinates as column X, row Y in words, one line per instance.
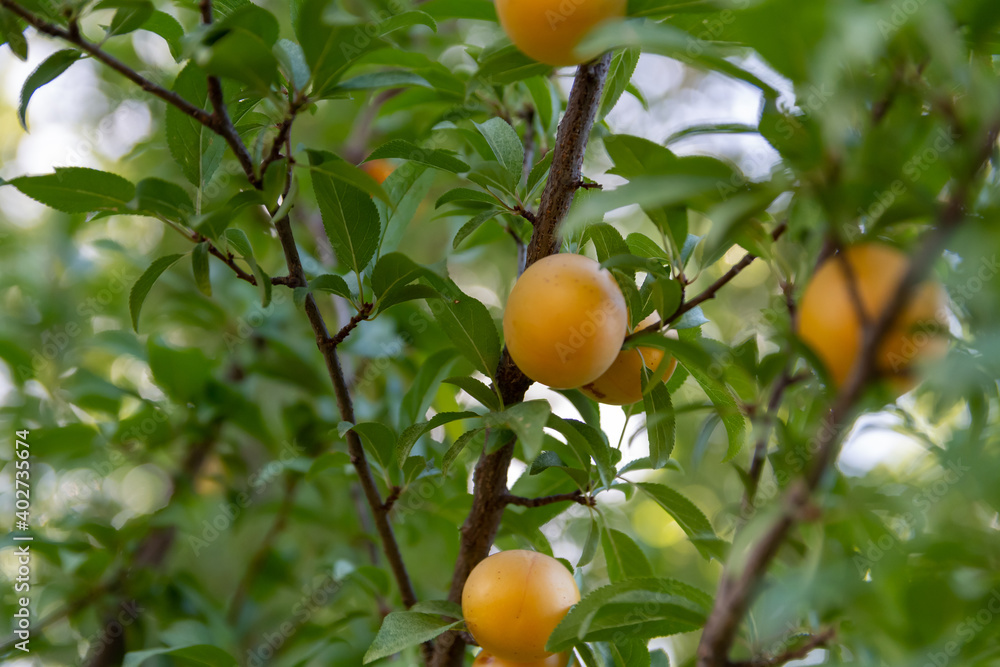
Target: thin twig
column 342, row 335
column 812, row 643
column 577, row 496
column 710, row 292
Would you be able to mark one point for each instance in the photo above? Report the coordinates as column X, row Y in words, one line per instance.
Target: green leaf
column 329, row 47
column 697, row 362
column 402, row 629
column 411, row 434
column 623, row 65
column 378, row 81
column 507, row 65
column 78, row 190
column 460, row 444
column 441, row 607
column 607, row 614
column 405, row 150
column 394, row 271
column 332, row 165
column 527, row 420
column 238, row 243
column 12, row 33
column 624, row 557
column 468, row 324
column 607, row 240
column 660, row 421
column 263, row 284
column 145, row 283
column 465, row 196
column 687, row 515
column 588, row 443
column 590, row 545
column 666, row 295
column 350, row 219
column 157, row 197
column 167, row 27
column 472, row 225
column 293, row 62
column 506, row 146
column 406, row 189
column 331, row 284
column 196, row 148
column 476, row 390
column 199, row 265
column 197, row 654
column 45, row 73
column 131, row 15
column 425, row 385
column 379, row 440
column 538, row 173
column 482, row 10
column 406, row 293
column 182, row 374
column 242, row 48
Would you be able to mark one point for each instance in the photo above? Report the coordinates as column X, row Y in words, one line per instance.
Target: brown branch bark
column 355, row 449
column 811, row 644
column 572, row 497
column 480, row 527
column 737, row 589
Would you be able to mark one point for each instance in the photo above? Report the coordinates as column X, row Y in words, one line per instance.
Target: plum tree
column 621, row 384
column 828, row 314
column 549, row 30
column 486, row 659
column 565, row 321
column 513, row 601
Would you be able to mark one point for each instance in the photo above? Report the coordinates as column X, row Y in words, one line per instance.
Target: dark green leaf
column 411, row 434
column 669, row 607
column 50, row 68
column 687, row 515
column 624, row 557
column 404, row 150
column 78, row 190
column 527, row 420
column 402, row 629
column 506, row 146
column 145, row 283
column 199, row 265
column 660, row 421
column 350, row 219
column 196, row 148
column 476, row 390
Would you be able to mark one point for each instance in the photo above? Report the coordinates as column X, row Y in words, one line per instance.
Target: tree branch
column 222, row 124
column 709, row 292
column 814, row 642
column 346, row 406
column 218, row 124
column 342, row 335
column 736, row 589
column 490, row 476
column 572, row 497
